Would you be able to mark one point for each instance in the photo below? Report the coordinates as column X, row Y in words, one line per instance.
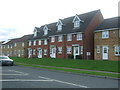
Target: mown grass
column 75, row 71
column 111, row 66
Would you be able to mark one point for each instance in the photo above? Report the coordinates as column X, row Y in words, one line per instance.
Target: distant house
column 107, row 40
column 70, row 37
column 16, row 47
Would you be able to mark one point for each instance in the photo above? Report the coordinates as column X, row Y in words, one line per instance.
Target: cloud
column 5, row 32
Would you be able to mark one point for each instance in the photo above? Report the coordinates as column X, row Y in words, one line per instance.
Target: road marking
column 24, row 80
column 15, row 74
column 15, row 71
column 64, row 82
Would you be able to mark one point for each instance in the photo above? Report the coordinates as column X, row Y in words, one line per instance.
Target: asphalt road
column 28, row 77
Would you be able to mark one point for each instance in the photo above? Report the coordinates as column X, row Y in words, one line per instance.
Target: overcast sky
column 19, row 17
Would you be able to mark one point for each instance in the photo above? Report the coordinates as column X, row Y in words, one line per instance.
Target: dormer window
column 76, row 24
column 45, row 29
column 59, row 25
column 77, row 21
column 35, row 32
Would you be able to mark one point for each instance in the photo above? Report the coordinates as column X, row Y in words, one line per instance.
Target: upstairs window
column 69, row 37
column 34, row 43
column 15, row 44
column 23, row 44
column 35, row 33
column 30, row 43
column 45, row 29
column 39, row 42
column 45, row 42
column 52, row 39
column 77, row 24
column 59, row 25
column 105, row 34
column 79, row 36
column 60, row 38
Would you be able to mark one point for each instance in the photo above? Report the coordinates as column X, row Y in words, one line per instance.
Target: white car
column 5, row 60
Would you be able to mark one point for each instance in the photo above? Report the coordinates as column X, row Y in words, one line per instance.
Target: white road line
column 15, row 71
column 64, row 82
column 24, row 80
column 15, row 74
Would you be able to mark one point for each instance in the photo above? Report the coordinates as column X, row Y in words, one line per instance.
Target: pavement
column 29, row 77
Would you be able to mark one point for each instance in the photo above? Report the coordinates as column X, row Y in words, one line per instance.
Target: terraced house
column 16, row 47
column 107, row 40
column 69, row 37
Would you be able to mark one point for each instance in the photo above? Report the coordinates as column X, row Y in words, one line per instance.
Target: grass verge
column 74, row 71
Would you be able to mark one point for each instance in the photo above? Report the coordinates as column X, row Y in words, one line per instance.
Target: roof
column 109, row 23
column 16, row 40
column 68, row 26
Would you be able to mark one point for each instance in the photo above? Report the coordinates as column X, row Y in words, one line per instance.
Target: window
column 23, row 44
column 76, row 24
column 60, row 38
column 11, row 46
column 22, row 52
column 52, row 39
column 79, row 36
column 81, row 49
column 30, row 43
column 98, row 49
column 14, row 52
column 45, row 42
column 59, row 49
column 39, row 42
column 105, row 34
column 45, row 51
column 35, row 33
column 34, row 51
column 34, row 43
column 117, row 50
column 119, row 32
column 59, row 27
column 69, row 37
column 8, row 46
column 45, row 32
column 15, row 44
column 69, row 50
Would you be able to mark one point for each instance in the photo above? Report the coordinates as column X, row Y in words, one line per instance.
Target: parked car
column 5, row 60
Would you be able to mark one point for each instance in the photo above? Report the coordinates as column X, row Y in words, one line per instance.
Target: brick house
column 107, row 40
column 69, row 37
column 16, row 47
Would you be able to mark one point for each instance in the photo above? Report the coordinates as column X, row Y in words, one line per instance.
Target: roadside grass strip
column 112, row 75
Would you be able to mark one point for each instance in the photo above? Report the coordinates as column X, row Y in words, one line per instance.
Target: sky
column 19, row 17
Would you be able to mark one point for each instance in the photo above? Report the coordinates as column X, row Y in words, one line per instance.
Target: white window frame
column 34, row 42
column 77, row 24
column 98, row 49
column 60, row 38
column 69, row 50
column 45, row 51
column 15, row 44
column 59, row 27
column 8, row 46
column 35, row 33
column 117, row 50
column 23, row 44
column 79, row 36
column 60, row 50
column 30, row 43
column 22, row 52
column 69, row 37
column 53, row 39
column 39, row 42
column 105, row 34
column 45, row 42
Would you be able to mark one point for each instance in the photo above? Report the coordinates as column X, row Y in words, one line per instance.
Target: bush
column 78, row 57
column 70, row 56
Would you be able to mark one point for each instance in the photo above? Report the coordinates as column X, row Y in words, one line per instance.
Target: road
column 28, row 77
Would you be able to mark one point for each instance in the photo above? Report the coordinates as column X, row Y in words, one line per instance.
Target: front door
column 40, row 53
column 76, row 51
column 29, row 53
column 105, row 53
column 53, row 52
